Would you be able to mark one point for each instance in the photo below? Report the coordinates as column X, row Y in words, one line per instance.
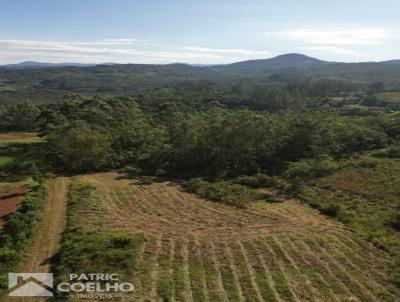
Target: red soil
column 10, row 202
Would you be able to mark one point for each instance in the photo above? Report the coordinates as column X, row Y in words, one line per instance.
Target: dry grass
column 197, row 250
column 368, row 197
column 18, row 137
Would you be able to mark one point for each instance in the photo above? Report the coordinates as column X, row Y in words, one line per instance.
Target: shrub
column 131, row 171
column 9, row 255
column 160, row 172
column 331, row 210
column 19, row 168
column 222, row 191
column 308, row 169
column 96, row 251
column 367, row 163
column 236, row 195
column 256, row 181
column 196, row 185
column 390, row 152
column 394, row 221
column 357, row 162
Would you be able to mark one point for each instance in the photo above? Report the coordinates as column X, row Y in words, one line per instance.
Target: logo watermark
column 30, row 284
column 82, row 286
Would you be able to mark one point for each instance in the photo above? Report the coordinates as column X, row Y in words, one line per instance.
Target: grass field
column 196, row 250
column 11, row 138
column 368, row 198
column 390, row 96
column 12, row 141
column 21, row 155
column 8, row 138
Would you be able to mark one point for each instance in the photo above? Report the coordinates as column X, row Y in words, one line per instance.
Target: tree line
column 95, row 133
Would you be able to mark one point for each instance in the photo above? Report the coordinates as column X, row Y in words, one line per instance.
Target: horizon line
column 190, row 64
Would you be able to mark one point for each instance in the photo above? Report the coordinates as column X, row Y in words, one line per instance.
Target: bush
column 391, row 152
column 367, row 163
column 308, row 169
column 20, row 169
column 131, row 171
column 312, row 198
column 394, row 221
column 196, row 185
column 331, row 210
column 257, row 181
column 8, row 255
column 160, row 172
column 96, row 251
column 223, row 191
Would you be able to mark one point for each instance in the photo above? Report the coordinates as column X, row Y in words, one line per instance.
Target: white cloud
column 331, row 49
column 228, row 50
column 361, row 36
column 341, row 54
column 117, row 50
column 78, row 47
column 117, row 41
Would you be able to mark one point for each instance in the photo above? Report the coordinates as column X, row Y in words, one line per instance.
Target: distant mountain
column 396, row 62
column 203, row 65
column 292, row 60
column 33, row 64
column 45, row 83
column 107, row 64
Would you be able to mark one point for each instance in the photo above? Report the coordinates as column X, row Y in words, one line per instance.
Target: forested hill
column 40, row 83
column 292, row 60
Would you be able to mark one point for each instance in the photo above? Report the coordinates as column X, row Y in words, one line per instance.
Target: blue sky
column 198, row 31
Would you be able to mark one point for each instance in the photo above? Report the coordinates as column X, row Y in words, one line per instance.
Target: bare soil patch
column 10, row 201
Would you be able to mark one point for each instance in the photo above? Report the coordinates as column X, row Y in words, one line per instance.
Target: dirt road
column 48, row 234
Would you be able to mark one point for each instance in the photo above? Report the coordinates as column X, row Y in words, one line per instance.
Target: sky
column 197, row 31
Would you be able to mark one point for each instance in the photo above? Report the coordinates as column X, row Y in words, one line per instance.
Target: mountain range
column 292, row 60
column 33, row 64
column 48, row 82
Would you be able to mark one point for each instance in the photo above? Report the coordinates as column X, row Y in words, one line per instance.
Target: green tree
column 21, row 117
column 79, row 148
column 375, row 88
